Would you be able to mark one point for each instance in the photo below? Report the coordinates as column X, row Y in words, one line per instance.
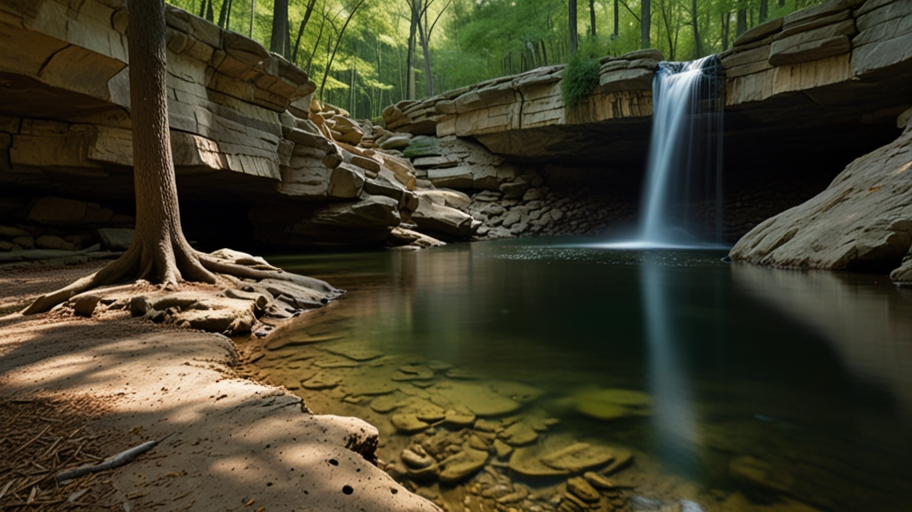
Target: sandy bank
column 234, row 444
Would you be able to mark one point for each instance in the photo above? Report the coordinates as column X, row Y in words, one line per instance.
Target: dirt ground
column 74, row 391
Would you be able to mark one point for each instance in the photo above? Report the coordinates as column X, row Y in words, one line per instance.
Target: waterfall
column 682, row 199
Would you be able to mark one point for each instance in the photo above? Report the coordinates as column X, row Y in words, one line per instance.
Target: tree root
column 154, row 264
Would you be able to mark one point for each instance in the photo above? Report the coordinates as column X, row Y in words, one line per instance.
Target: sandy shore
column 233, row 444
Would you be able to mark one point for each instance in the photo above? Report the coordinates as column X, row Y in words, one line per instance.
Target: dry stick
column 26, row 445
column 118, row 460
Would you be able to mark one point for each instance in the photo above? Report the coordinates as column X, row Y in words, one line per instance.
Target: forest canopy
column 367, row 54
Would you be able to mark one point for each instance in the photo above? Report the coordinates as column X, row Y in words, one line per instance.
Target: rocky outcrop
column 244, row 127
column 862, row 221
column 514, row 116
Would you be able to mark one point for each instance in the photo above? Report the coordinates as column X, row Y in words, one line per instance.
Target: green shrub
column 580, row 76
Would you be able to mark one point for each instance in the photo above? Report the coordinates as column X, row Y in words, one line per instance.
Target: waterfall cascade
column 682, row 198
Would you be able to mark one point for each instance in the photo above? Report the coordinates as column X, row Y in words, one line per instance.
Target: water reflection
column 762, row 382
column 869, row 326
column 673, row 418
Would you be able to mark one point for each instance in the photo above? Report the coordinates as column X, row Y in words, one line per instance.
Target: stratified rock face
column 244, row 128
column 515, row 115
column 862, row 221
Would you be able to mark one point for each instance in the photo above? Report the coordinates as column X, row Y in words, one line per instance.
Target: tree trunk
column 698, row 44
column 726, row 24
column 279, row 40
column 574, row 35
column 764, row 10
column 645, row 24
column 410, row 54
column 425, row 49
column 252, row 13
column 592, row 18
column 741, row 26
column 297, row 46
column 210, row 15
column 617, row 19
column 336, row 47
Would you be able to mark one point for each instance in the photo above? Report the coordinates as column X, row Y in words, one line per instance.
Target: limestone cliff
column 244, row 128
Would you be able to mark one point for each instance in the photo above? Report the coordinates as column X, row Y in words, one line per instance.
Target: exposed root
column 169, row 265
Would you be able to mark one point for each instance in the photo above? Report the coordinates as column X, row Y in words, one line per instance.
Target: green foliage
column 476, row 40
column 580, row 76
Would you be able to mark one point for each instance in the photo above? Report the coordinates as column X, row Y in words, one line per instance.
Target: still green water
column 770, row 389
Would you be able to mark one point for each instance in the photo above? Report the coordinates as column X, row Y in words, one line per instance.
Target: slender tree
column 764, row 10
column 592, row 18
column 574, row 35
column 280, row 42
column 335, row 49
column 645, row 23
column 307, row 12
column 617, row 20
column 159, row 252
column 694, row 21
column 252, row 15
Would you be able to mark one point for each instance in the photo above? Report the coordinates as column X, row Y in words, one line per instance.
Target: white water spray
column 683, row 194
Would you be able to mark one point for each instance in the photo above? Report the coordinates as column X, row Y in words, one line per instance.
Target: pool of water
column 721, row 387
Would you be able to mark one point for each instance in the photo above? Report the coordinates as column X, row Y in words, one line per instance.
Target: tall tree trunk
column 252, row 13
column 617, row 19
column 297, row 46
column 336, row 47
column 592, row 18
column 210, row 14
column 645, row 24
column 279, row 40
column 698, row 44
column 203, row 8
column 574, row 35
column 223, row 13
column 741, row 26
column 425, row 49
column 726, row 24
column 764, row 10
column 410, row 54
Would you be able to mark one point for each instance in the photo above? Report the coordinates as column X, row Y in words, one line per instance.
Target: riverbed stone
column 353, row 351
column 322, row 380
column 407, row 423
column 582, row 489
column 578, row 457
column 459, row 417
column 478, row 398
column 462, row 464
column 416, row 457
column 502, row 449
column 385, row 404
column 519, row 434
column 611, row 404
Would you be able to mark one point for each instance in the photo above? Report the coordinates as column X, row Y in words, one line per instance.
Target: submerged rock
column 611, row 404
column 462, row 464
column 578, row 457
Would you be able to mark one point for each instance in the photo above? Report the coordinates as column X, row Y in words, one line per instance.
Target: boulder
column 115, row 239
column 862, row 221
column 442, row 219
column 54, row 242
column 461, row 465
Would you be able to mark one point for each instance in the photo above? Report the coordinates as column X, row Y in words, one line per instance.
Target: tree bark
column 764, row 10
column 252, row 13
column 741, row 26
column 592, row 18
column 224, row 14
column 425, row 49
column 698, row 44
column 617, row 19
column 279, row 40
column 645, row 24
column 410, row 54
column 574, row 35
column 336, row 47
column 297, row 46
column 726, row 24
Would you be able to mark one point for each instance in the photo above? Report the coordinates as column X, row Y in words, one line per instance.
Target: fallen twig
column 116, row 461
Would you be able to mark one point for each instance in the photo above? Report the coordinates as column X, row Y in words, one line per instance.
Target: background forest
column 366, row 54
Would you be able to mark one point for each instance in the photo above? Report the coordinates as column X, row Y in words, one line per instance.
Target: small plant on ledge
column 580, row 76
